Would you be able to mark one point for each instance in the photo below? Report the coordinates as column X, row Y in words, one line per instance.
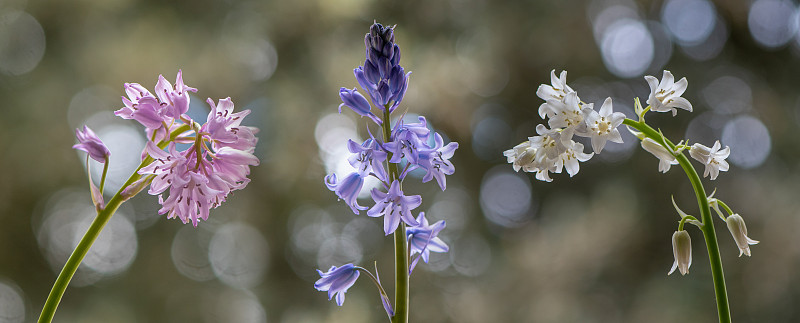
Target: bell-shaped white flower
column 665, row 158
column 602, row 126
column 682, row 250
column 567, row 114
column 739, row 232
column 569, row 159
column 557, row 91
column 713, row 158
column 521, row 156
column 666, row 95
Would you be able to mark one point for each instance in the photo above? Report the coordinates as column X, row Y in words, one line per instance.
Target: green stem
column 401, row 295
column 715, row 261
column 105, row 172
column 75, row 259
column 60, row 286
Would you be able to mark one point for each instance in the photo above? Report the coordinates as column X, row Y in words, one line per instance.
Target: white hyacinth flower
column 739, row 232
column 557, row 91
column 665, row 158
column 569, row 159
column 682, row 251
column 521, row 155
column 666, row 95
column 713, row 158
column 549, row 142
column 602, row 126
column 567, row 114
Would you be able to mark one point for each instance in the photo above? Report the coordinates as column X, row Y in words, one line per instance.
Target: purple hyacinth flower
column 422, row 239
column 348, row 189
column 337, row 281
column 394, row 206
column 436, row 161
column 91, row 144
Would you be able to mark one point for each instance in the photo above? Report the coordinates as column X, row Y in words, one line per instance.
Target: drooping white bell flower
column 682, row 250
column 739, row 232
column 713, row 158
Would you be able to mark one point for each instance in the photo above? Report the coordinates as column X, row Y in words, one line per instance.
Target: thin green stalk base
column 103, row 215
column 60, row 286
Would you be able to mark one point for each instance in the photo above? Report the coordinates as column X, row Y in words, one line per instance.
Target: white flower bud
column 739, row 232
column 682, row 250
column 665, row 157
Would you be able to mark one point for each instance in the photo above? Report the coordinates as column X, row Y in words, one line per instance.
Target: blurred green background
column 593, row 248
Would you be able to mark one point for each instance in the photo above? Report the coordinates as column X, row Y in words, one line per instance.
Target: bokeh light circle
column 189, row 253
column 506, row 198
column 22, row 42
column 627, row 48
column 12, row 305
column 690, row 21
column 238, row 255
column 772, row 22
column 749, row 140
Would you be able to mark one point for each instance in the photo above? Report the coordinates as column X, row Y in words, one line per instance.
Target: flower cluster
column 216, row 161
column 405, row 146
column 553, row 149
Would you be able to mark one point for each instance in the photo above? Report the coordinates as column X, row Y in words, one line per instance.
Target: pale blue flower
column 436, row 161
column 337, row 281
column 422, row 239
column 394, row 206
column 348, row 189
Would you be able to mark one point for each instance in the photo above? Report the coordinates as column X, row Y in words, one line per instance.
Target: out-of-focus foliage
column 593, row 248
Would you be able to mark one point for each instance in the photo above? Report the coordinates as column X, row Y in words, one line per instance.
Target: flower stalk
column 401, row 294
column 709, row 235
column 99, row 222
column 226, row 163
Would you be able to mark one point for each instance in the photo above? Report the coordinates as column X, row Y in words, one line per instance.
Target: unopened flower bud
column 682, row 250
column 739, row 232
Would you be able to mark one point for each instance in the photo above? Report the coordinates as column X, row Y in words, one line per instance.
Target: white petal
column 667, row 80
column 606, row 109
column 680, row 87
column 615, row 136
column 680, row 103
column 653, row 82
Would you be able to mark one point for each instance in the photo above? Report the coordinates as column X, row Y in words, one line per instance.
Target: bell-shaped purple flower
column 155, row 111
column 348, row 189
column 394, row 206
column 367, row 158
column 337, row 281
column 422, row 239
column 355, row 101
column 224, row 127
column 91, row 144
column 407, row 139
column 436, row 161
